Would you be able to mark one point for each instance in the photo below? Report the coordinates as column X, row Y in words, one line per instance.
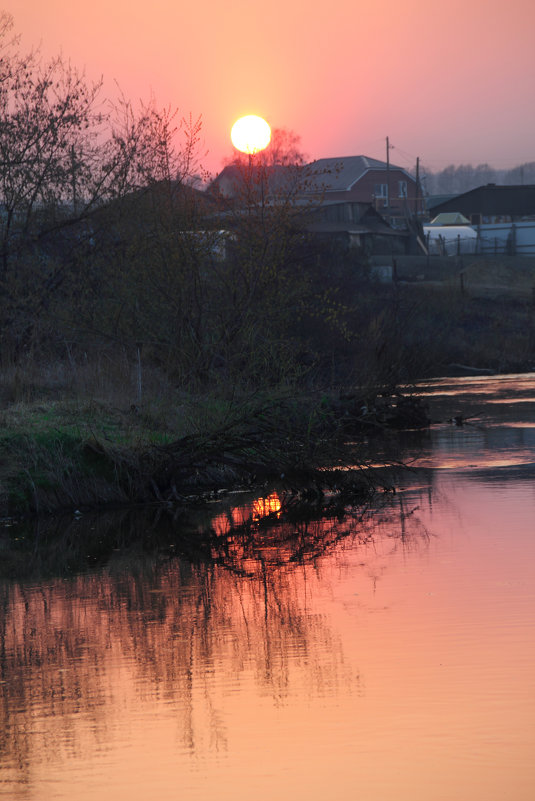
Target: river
column 389, row 656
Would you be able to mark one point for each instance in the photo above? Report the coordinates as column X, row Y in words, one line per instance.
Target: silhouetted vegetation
column 157, row 338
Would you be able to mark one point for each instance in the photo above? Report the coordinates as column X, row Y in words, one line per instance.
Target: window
column 402, row 185
column 380, row 190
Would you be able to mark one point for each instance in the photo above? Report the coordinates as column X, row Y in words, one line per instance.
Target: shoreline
column 56, row 458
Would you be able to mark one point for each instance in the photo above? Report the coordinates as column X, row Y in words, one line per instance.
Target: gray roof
column 339, row 174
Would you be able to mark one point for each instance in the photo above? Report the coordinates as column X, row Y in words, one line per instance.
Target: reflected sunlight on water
column 386, row 657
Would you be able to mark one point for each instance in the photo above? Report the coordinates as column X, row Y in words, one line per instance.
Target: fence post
column 139, row 345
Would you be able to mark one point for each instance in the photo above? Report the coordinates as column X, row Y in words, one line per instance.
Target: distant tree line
column 461, row 178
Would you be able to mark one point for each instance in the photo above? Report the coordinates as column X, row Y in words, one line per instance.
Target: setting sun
column 250, row 134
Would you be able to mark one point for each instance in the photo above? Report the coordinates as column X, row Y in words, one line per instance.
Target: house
column 491, row 204
column 238, row 181
column 359, row 179
column 392, row 191
column 356, row 201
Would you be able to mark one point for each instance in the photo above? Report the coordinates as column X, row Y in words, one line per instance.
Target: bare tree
column 66, row 154
column 49, row 126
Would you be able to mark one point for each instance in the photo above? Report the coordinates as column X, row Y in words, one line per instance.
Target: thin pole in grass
column 139, row 345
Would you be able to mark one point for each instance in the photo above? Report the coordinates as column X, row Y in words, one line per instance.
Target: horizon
column 449, row 90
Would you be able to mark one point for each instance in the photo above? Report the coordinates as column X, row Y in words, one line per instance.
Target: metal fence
column 513, row 239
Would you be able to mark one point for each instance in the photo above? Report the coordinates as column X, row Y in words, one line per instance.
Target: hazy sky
column 450, row 83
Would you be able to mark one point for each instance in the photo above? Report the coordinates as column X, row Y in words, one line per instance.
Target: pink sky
column 450, row 83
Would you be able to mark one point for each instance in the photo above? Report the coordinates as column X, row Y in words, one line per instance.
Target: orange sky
column 450, row 83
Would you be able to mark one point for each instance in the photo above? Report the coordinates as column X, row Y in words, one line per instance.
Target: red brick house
column 392, row 191
column 357, row 202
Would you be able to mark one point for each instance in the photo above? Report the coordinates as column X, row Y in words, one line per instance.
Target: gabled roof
column 340, row 174
column 450, row 218
column 492, row 199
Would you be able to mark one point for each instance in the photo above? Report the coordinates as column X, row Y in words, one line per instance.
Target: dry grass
column 478, row 276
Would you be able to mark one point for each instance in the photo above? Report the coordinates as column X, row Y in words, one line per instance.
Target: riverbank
column 58, row 456
column 106, row 429
column 467, row 319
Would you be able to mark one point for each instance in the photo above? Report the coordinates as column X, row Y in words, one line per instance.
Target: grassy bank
column 82, row 482
column 69, row 455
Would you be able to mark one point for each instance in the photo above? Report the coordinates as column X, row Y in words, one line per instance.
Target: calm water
column 390, row 657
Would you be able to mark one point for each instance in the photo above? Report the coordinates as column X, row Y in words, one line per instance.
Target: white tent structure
column 450, row 240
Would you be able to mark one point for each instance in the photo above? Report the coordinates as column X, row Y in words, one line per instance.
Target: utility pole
column 388, row 177
column 416, row 204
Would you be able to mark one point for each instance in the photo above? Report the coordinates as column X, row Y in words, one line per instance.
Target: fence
column 512, row 239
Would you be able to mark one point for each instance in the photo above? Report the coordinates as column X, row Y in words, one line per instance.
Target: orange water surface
column 392, row 661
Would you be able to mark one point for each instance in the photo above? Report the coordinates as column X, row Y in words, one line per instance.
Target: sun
column 250, row 134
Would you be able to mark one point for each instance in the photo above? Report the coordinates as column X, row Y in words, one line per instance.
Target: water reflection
column 477, row 446
column 158, row 630
column 496, row 430
column 251, row 650
column 482, row 398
